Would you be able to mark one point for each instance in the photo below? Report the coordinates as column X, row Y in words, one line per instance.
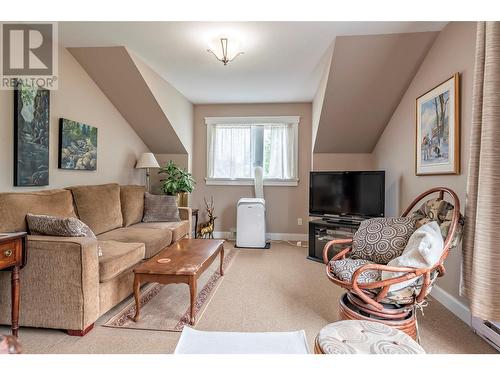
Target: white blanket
column 193, row 341
column 423, row 250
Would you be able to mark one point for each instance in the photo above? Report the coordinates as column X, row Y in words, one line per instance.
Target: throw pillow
column 59, row 226
column 160, row 208
column 440, row 211
column 380, row 240
column 423, row 250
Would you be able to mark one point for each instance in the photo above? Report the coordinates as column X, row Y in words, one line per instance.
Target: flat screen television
column 347, row 193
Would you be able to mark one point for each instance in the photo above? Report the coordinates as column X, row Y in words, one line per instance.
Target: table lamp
column 146, row 161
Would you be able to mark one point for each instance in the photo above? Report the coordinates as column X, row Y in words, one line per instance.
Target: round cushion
column 364, row 337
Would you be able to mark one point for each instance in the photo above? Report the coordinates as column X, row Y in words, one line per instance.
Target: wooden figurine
column 207, row 229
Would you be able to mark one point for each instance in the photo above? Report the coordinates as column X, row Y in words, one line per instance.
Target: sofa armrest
column 186, row 213
column 59, row 284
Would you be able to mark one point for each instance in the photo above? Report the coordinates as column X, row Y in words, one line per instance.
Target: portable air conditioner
column 251, row 223
column 251, row 217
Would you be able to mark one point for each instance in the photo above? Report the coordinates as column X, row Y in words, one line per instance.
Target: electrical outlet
column 299, row 221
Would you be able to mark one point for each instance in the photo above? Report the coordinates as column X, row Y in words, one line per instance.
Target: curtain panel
column 235, row 149
column 481, row 244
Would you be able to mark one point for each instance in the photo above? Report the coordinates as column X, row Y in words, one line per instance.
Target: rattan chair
column 374, row 300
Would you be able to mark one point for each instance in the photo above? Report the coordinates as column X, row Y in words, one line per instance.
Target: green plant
column 177, row 180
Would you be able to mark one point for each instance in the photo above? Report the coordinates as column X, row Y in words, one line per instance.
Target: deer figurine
column 207, row 229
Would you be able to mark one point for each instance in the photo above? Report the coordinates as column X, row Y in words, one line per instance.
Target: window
column 236, row 145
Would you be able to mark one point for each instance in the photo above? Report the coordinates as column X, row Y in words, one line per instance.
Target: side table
column 13, row 258
column 194, row 212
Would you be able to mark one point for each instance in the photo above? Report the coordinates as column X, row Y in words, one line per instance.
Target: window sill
column 249, row 182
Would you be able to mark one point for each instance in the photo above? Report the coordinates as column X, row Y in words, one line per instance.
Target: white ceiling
column 283, row 61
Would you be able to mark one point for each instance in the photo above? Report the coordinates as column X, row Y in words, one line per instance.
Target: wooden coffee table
column 182, row 262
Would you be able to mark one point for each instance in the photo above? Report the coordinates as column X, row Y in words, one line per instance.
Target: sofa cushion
column 132, row 202
column 179, row 229
column 15, row 206
column 98, row 206
column 160, row 208
column 154, row 239
column 380, row 240
column 118, row 257
column 344, row 269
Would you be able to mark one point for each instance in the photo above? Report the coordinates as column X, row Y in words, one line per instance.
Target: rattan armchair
column 373, row 300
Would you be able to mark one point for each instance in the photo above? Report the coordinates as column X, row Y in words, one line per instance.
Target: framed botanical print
column 438, row 130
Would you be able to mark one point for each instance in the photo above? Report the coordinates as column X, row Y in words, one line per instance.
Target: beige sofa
column 65, row 284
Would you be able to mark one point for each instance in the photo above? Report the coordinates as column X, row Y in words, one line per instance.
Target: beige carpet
column 264, row 290
column 167, row 307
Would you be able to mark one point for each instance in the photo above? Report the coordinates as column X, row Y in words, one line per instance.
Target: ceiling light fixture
column 226, row 55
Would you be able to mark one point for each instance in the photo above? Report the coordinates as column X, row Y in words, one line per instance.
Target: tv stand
column 326, row 229
column 340, row 221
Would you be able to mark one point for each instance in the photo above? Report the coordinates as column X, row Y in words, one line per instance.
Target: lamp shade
column 147, row 160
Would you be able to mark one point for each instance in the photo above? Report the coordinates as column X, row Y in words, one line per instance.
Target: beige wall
column 177, row 108
column 78, row 98
column 452, row 52
column 284, row 204
column 342, row 162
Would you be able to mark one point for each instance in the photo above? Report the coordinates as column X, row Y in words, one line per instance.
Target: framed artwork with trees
column 437, row 140
column 77, row 145
column 31, row 135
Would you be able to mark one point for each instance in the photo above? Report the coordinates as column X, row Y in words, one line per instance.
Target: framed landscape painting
column 31, row 136
column 438, row 130
column 77, row 145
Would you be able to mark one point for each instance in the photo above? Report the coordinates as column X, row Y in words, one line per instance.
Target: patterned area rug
column 166, row 307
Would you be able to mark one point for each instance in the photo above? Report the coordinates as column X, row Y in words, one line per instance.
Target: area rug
column 166, row 307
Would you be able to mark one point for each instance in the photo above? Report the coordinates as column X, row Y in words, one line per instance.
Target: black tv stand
column 326, row 229
column 343, row 220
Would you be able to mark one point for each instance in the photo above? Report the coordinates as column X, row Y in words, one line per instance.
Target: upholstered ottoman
column 364, row 337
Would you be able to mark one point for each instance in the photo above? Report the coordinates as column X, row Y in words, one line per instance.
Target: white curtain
column 231, row 151
column 280, row 142
column 233, row 147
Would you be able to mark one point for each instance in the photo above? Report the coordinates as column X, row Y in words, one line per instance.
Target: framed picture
column 77, row 145
column 438, row 130
column 31, row 135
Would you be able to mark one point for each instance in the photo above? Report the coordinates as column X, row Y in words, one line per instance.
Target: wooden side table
column 194, row 212
column 13, row 258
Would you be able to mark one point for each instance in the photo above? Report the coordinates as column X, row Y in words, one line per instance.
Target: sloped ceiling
column 116, row 74
column 280, row 63
column 367, row 78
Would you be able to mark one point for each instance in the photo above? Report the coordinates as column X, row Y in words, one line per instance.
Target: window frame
column 245, row 120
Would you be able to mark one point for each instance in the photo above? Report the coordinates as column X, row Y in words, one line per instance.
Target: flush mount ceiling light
column 227, row 53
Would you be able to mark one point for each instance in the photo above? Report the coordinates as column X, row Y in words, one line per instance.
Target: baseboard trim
column 452, row 304
column 288, row 236
column 223, row 235
column 270, row 236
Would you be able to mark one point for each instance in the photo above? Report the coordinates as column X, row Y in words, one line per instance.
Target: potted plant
column 177, row 182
